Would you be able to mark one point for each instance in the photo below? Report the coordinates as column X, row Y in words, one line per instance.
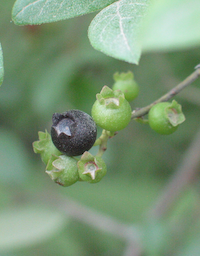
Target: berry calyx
column 125, row 82
column 91, row 168
column 165, row 117
column 45, row 147
column 63, row 170
column 73, row 132
column 111, row 111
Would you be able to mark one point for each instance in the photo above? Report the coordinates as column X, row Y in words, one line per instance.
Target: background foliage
column 51, row 68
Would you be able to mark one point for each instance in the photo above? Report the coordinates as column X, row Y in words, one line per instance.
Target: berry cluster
column 74, row 132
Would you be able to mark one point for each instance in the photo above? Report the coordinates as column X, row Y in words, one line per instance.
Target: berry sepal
column 174, row 113
column 123, row 76
column 63, row 170
column 91, row 168
column 109, row 98
column 45, row 147
column 165, row 117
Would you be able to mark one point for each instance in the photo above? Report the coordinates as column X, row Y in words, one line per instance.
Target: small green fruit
column 165, row 117
column 63, row 170
column 125, row 82
column 91, row 169
column 111, row 111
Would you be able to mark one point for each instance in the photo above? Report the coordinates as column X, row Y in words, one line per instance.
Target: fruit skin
column 111, row 111
column 63, row 170
column 73, row 132
column 165, row 117
column 129, row 88
column 125, row 82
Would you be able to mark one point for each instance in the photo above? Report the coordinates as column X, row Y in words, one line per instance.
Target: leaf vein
column 60, row 5
column 104, row 29
column 24, row 8
column 42, row 8
column 121, row 28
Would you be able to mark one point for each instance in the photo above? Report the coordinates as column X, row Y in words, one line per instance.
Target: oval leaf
column 171, row 25
column 35, row 12
column 14, row 164
column 28, row 225
column 114, row 31
column 1, row 66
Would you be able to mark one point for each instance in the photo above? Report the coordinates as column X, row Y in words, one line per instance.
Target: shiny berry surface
column 159, row 121
column 73, row 132
column 112, row 119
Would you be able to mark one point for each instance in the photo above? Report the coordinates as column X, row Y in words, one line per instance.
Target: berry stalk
column 139, row 112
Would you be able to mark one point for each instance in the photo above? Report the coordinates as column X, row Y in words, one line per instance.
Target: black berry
column 73, row 132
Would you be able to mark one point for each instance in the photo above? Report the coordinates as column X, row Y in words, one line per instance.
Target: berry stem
column 102, row 142
column 139, row 112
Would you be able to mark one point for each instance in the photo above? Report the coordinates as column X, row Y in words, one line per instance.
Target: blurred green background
column 53, row 68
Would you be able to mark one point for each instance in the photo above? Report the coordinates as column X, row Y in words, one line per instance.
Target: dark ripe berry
column 73, row 132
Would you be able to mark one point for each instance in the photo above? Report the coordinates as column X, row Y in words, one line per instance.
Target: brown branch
column 89, row 216
column 185, row 174
column 190, row 79
column 97, row 220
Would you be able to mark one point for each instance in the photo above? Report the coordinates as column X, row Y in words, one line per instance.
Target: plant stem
column 191, row 78
column 102, row 142
column 91, row 217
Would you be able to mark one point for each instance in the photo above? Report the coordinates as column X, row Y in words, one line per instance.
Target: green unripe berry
column 63, row 170
column 91, row 169
column 165, row 117
column 125, row 82
column 111, row 111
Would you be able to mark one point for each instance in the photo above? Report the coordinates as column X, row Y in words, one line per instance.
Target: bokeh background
column 53, row 68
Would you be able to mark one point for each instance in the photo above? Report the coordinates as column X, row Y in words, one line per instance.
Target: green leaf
column 171, row 25
column 44, row 11
column 14, row 161
column 1, row 66
column 28, row 225
column 114, row 31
